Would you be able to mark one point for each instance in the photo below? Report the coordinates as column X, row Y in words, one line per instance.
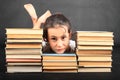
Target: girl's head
column 57, row 32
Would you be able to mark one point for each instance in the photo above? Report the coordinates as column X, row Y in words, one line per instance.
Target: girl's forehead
column 59, row 27
column 57, row 31
column 62, row 27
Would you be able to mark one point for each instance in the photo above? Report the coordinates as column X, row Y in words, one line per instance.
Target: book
column 94, row 38
column 94, row 33
column 93, row 52
column 14, row 69
column 23, row 31
column 24, row 64
column 94, row 58
column 65, row 57
column 59, row 63
column 10, row 41
column 89, row 47
column 59, row 67
column 109, row 43
column 24, row 36
column 60, row 70
column 23, row 45
column 23, row 60
column 95, row 64
column 94, row 69
column 24, row 56
column 23, row 51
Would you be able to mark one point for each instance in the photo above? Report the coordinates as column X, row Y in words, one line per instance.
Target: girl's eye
column 53, row 39
column 63, row 37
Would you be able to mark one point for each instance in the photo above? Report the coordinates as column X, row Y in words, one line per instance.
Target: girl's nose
column 59, row 43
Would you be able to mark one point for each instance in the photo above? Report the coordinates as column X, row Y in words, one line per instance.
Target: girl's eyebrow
column 56, row 36
column 64, row 35
column 53, row 36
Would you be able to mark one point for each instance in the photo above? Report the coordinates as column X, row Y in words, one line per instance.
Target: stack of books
column 59, row 63
column 94, row 51
column 23, row 49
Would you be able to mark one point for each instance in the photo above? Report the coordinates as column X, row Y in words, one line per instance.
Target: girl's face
column 58, row 38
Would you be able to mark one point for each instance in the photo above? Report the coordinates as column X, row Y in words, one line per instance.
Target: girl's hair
column 52, row 21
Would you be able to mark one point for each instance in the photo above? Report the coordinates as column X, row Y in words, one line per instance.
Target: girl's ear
column 45, row 39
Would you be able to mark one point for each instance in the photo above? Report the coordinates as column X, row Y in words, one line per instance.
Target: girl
column 57, row 34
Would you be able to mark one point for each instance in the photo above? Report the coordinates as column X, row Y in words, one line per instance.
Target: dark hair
column 52, row 21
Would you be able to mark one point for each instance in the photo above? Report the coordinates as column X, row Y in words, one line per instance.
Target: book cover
column 15, row 69
column 24, row 36
column 95, row 58
column 23, row 51
column 60, row 70
column 24, row 56
column 95, row 64
column 24, row 64
column 90, row 47
column 109, row 43
column 23, row 31
column 23, row 60
column 54, row 56
column 23, row 45
column 30, row 41
column 94, row 33
column 94, row 69
column 59, row 63
column 93, row 52
column 94, row 38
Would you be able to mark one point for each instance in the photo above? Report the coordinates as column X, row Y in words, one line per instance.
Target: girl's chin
column 59, row 52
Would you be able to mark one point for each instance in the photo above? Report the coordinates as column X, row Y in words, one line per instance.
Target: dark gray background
column 85, row 15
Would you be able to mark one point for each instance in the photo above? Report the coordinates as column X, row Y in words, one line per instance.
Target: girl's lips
column 60, row 49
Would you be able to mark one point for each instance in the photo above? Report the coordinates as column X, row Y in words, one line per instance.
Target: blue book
column 54, row 54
